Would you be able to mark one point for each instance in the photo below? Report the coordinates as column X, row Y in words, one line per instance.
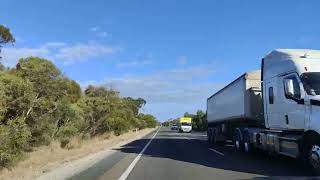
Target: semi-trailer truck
column 275, row 109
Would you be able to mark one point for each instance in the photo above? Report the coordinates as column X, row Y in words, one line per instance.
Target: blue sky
column 172, row 53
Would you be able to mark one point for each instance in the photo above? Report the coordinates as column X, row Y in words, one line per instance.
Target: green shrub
column 149, row 120
column 16, row 97
column 64, row 142
column 119, row 125
column 14, row 139
column 65, row 135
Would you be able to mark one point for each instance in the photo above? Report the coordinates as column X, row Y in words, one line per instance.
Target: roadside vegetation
column 38, row 104
column 199, row 121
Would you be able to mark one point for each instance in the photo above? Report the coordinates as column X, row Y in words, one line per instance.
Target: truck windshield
column 311, row 82
column 185, row 124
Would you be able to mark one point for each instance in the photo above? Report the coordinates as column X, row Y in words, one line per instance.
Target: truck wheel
column 314, row 158
column 247, row 145
column 214, row 136
column 238, row 142
column 209, row 136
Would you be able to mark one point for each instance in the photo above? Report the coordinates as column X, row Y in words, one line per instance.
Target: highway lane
column 173, row 155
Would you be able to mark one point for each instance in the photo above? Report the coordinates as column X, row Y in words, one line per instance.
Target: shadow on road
column 193, row 148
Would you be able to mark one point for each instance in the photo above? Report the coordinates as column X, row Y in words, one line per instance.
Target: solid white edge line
column 220, row 153
column 186, row 138
column 229, row 145
column 134, row 162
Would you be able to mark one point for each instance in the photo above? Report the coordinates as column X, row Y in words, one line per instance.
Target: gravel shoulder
column 53, row 162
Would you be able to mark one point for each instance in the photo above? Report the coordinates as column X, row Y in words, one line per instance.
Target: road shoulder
column 70, row 169
column 53, row 162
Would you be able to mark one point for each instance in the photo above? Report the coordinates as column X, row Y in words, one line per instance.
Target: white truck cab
column 291, row 93
column 291, row 82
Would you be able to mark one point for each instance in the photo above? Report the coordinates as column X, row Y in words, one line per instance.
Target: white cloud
column 54, row 44
column 168, row 93
column 162, row 91
column 103, row 34
column 99, row 32
column 94, row 29
column 79, row 52
column 166, row 86
column 133, row 63
column 142, row 58
column 58, row 51
column 10, row 56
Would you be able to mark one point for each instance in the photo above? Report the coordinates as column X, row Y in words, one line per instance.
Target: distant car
column 174, row 127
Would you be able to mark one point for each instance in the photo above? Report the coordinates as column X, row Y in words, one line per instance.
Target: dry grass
column 46, row 158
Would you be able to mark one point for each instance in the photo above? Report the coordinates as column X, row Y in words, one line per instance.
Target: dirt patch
column 48, row 158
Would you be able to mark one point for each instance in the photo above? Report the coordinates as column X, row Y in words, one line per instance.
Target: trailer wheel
column 209, row 136
column 247, row 145
column 214, row 135
column 238, row 141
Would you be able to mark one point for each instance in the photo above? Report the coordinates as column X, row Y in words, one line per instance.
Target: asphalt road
column 173, row 155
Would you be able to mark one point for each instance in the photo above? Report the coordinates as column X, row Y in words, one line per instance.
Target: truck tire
column 214, row 136
column 247, row 145
column 313, row 156
column 209, row 136
column 238, row 140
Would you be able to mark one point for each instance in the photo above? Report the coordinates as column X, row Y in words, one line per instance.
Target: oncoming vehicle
column 185, row 125
column 174, row 127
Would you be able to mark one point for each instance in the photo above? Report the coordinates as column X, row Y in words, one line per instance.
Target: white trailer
column 278, row 112
column 240, row 100
column 237, row 104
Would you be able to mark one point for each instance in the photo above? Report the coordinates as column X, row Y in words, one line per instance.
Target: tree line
column 38, row 104
column 199, row 120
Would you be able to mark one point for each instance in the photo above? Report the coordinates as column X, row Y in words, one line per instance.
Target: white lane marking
column 134, row 162
column 186, row 138
column 229, row 145
column 202, row 135
column 220, row 153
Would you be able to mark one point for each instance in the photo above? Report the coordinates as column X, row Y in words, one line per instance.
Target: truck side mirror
column 288, row 86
